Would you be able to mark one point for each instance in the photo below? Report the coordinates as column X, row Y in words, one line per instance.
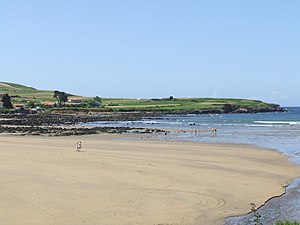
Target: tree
column 98, row 99
column 6, row 99
column 31, row 104
column 61, row 97
column 91, row 103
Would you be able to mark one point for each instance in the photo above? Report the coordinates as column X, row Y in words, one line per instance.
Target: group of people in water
column 158, row 132
column 213, row 130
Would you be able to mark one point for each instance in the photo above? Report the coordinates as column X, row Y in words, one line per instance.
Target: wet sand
column 45, row 181
column 286, row 207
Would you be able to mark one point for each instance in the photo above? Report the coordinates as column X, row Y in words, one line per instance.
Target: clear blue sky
column 154, row 48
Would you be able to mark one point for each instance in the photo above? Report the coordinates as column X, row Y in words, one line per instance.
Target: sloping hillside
column 22, row 93
column 5, row 86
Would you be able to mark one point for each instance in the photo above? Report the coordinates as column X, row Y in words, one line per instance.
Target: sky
column 154, row 48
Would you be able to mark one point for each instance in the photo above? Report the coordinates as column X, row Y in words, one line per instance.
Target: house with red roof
column 48, row 104
column 19, row 106
column 74, row 100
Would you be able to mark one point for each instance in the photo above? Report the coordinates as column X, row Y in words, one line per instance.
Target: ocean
column 280, row 131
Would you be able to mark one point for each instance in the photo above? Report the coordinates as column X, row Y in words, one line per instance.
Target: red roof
column 48, row 103
column 19, row 105
column 74, row 98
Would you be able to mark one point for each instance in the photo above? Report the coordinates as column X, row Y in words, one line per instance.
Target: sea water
column 280, row 131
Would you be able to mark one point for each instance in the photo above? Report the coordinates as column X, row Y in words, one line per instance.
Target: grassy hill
column 179, row 104
column 23, row 94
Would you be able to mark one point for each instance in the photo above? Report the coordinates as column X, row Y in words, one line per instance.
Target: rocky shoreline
column 53, row 124
column 65, row 131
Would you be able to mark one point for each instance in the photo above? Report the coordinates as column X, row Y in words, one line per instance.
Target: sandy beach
column 126, row 182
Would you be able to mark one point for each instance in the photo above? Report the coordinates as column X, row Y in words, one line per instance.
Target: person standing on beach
column 78, row 146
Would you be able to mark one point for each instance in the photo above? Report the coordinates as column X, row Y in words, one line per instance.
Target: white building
column 74, row 100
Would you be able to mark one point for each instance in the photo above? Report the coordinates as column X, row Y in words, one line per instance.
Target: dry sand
column 44, row 181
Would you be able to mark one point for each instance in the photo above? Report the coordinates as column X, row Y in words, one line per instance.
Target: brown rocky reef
column 62, row 124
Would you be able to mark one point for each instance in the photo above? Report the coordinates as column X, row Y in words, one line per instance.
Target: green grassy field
column 23, row 94
column 189, row 104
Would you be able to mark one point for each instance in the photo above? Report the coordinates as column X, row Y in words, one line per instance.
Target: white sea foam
column 156, row 122
column 292, row 123
column 147, row 121
column 263, row 125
